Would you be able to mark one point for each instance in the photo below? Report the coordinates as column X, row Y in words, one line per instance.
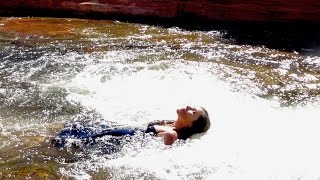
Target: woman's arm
column 160, row 122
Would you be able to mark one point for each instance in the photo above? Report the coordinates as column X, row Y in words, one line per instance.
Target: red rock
column 222, row 10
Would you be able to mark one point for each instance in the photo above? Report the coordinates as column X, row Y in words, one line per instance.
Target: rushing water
column 263, row 102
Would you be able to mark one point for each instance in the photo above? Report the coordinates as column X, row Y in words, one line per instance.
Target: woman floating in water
column 190, row 121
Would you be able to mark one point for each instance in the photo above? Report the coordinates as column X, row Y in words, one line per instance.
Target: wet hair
column 202, row 124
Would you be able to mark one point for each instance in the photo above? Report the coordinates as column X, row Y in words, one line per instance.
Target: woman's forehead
column 200, row 110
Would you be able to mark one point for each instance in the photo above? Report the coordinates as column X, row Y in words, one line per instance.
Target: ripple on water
column 61, row 70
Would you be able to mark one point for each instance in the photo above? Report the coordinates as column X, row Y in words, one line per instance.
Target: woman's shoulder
column 170, row 137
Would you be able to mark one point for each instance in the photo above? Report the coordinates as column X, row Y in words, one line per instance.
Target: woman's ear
column 170, row 137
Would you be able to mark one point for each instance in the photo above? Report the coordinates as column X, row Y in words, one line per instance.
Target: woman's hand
column 170, row 137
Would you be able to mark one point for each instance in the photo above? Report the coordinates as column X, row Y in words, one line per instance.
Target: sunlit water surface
column 264, row 103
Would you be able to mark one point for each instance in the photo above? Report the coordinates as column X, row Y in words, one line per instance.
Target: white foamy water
column 134, row 73
column 251, row 138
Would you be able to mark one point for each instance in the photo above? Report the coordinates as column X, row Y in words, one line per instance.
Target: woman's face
column 187, row 115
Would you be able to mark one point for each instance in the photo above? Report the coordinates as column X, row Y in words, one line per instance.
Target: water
column 263, row 102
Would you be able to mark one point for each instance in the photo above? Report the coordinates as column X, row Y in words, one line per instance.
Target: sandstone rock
column 208, row 10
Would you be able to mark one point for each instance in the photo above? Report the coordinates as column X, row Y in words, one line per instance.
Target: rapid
column 263, row 102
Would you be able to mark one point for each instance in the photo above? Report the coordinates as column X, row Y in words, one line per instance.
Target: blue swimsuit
column 88, row 133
